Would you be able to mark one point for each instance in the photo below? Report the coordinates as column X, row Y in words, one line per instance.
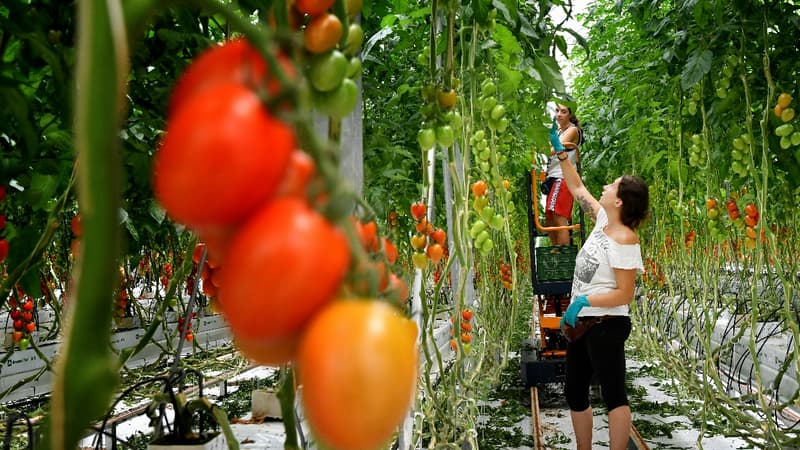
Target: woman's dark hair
column 574, row 120
column 635, row 198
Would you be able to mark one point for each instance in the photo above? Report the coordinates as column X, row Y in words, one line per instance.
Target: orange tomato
column 711, row 203
column 357, row 364
column 479, row 188
column 390, row 250
column 271, row 285
column 322, row 33
column 269, row 353
column 435, row 252
column 784, row 100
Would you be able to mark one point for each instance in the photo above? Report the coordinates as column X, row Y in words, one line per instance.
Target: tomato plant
column 357, row 365
column 265, row 288
column 222, row 156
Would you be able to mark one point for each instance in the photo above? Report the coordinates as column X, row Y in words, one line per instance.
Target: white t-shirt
column 595, row 264
column 554, row 166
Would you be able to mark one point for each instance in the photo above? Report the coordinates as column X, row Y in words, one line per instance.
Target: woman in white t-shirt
column 602, row 287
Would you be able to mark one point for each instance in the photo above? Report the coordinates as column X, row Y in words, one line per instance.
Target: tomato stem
column 286, row 398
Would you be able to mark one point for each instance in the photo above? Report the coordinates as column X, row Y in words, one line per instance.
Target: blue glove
column 574, row 308
column 554, row 139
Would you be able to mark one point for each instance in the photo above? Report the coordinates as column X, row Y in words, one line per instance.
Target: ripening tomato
column 313, row 7
column 479, row 188
column 711, row 203
column 784, row 100
column 234, row 61
column 435, row 252
column 322, row 33
column 284, row 264
column 447, row 98
column 357, row 364
column 223, row 156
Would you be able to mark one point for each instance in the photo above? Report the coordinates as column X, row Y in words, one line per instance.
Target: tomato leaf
column 698, row 64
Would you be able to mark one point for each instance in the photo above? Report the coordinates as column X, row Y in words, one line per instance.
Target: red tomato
column 357, row 364
column 283, row 265
column 3, row 249
column 397, row 290
column 390, row 250
column 438, row 236
column 313, row 7
column 2, row 221
column 751, row 210
column 323, row 33
column 234, row 61
column 298, row 174
column 418, row 210
column 369, row 236
column 467, row 314
column 223, row 156
column 75, row 225
column 2, row 193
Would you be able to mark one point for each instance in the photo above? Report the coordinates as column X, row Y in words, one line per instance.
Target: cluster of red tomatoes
column 182, row 323
column 3, row 241
column 21, row 313
column 230, row 170
column 428, row 242
column 121, row 307
column 465, row 331
column 505, row 275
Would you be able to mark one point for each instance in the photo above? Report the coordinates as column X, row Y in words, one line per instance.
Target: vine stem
column 84, row 396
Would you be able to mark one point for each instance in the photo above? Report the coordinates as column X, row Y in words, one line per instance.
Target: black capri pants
column 600, row 352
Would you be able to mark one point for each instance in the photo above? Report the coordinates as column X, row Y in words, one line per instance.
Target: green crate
column 555, row 263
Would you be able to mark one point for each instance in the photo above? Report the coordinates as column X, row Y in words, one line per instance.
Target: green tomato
column 498, row 111
column 479, row 203
column 340, row 102
column 787, row 114
column 482, row 236
column 502, row 124
column 488, row 88
column 488, row 104
column 796, row 138
column 738, row 143
column 485, row 154
column 445, row 135
column 354, row 68
column 786, row 142
column 456, row 120
column 355, row 37
column 476, row 228
column 426, row 138
column 486, row 246
column 327, row 71
column 23, row 343
column 784, row 130
column 487, row 213
column 696, row 139
column 480, row 135
column 496, row 222
column 485, row 166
